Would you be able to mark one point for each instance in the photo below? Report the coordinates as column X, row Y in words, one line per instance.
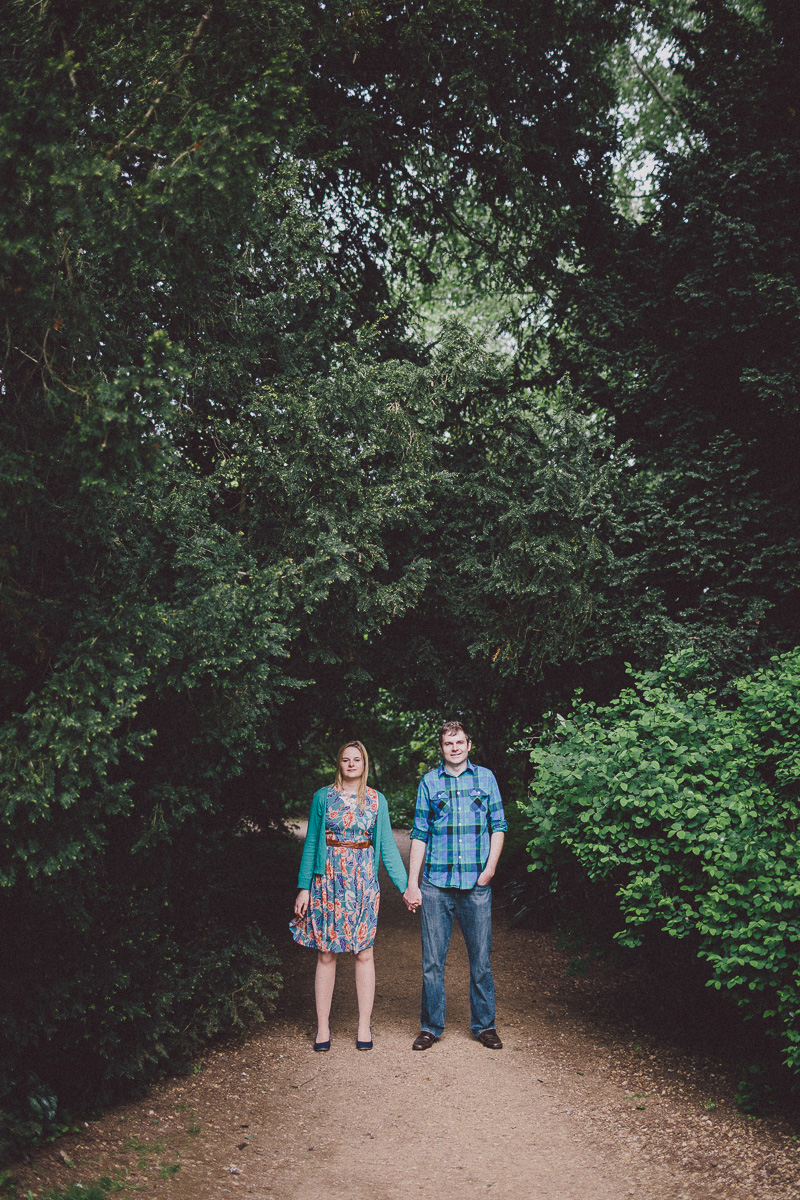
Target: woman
column 337, row 905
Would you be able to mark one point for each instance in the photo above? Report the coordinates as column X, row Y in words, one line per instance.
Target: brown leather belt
column 332, row 840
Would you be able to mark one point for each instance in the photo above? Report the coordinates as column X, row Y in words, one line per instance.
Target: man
column 459, row 830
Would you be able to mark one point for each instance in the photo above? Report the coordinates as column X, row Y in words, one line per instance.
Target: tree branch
column 665, row 100
column 168, row 84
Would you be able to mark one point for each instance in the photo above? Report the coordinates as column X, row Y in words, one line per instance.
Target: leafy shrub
column 127, row 970
column 690, row 811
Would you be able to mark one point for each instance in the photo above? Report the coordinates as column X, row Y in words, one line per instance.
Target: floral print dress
column 342, row 913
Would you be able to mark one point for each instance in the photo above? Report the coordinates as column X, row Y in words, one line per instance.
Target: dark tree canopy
column 248, row 507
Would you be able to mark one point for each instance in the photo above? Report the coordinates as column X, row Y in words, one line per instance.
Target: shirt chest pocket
column 440, row 808
column 478, row 800
column 474, row 803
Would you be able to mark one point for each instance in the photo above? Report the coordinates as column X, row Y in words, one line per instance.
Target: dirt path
column 569, row 1110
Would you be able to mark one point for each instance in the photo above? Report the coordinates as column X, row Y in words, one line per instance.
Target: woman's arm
column 315, row 818
column 388, row 846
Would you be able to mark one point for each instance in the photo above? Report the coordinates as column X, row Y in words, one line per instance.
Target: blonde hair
column 338, row 782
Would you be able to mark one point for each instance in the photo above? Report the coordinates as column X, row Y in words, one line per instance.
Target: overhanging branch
column 168, row 83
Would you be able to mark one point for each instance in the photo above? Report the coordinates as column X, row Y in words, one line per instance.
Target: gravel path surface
column 573, row 1108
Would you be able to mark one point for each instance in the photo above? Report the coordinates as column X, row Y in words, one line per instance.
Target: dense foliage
column 248, row 510
column 689, row 810
column 685, row 331
column 674, row 314
column 221, row 494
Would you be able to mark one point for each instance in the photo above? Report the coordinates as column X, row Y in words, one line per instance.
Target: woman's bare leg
column 365, row 991
column 324, row 981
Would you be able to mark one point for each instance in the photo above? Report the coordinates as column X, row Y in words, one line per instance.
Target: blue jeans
column 474, row 911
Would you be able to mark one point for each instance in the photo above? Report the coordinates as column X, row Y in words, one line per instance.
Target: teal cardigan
column 315, row 848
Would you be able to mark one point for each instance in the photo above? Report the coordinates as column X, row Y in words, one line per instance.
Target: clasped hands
column 412, row 896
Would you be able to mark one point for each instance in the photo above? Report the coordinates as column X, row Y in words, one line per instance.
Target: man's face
column 455, row 749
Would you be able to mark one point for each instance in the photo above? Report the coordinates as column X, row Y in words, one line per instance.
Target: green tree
column 219, row 497
column 686, row 335
column 241, row 502
column 202, row 467
column 675, row 319
column 688, row 810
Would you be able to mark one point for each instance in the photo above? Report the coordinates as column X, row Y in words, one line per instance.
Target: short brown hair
column 453, row 727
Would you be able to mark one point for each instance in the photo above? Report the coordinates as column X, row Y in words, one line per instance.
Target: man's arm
column 412, row 894
column 495, row 848
column 419, row 841
column 498, row 826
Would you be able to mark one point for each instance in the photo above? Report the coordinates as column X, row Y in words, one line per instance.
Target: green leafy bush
column 126, row 970
column 689, row 810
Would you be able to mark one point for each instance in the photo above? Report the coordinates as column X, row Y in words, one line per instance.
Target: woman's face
column 352, row 764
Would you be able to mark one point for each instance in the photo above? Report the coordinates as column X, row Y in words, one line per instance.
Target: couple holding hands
column 458, row 834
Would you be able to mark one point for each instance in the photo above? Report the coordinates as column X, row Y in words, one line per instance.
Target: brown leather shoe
column 424, row 1040
column 490, row 1039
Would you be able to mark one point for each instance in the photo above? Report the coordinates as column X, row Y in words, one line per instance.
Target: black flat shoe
column 323, row 1045
column 364, row 1045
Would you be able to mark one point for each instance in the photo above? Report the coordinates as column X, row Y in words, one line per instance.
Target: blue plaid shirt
column 457, row 815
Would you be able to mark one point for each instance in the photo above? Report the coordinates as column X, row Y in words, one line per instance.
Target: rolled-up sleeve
column 497, row 817
column 421, row 811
